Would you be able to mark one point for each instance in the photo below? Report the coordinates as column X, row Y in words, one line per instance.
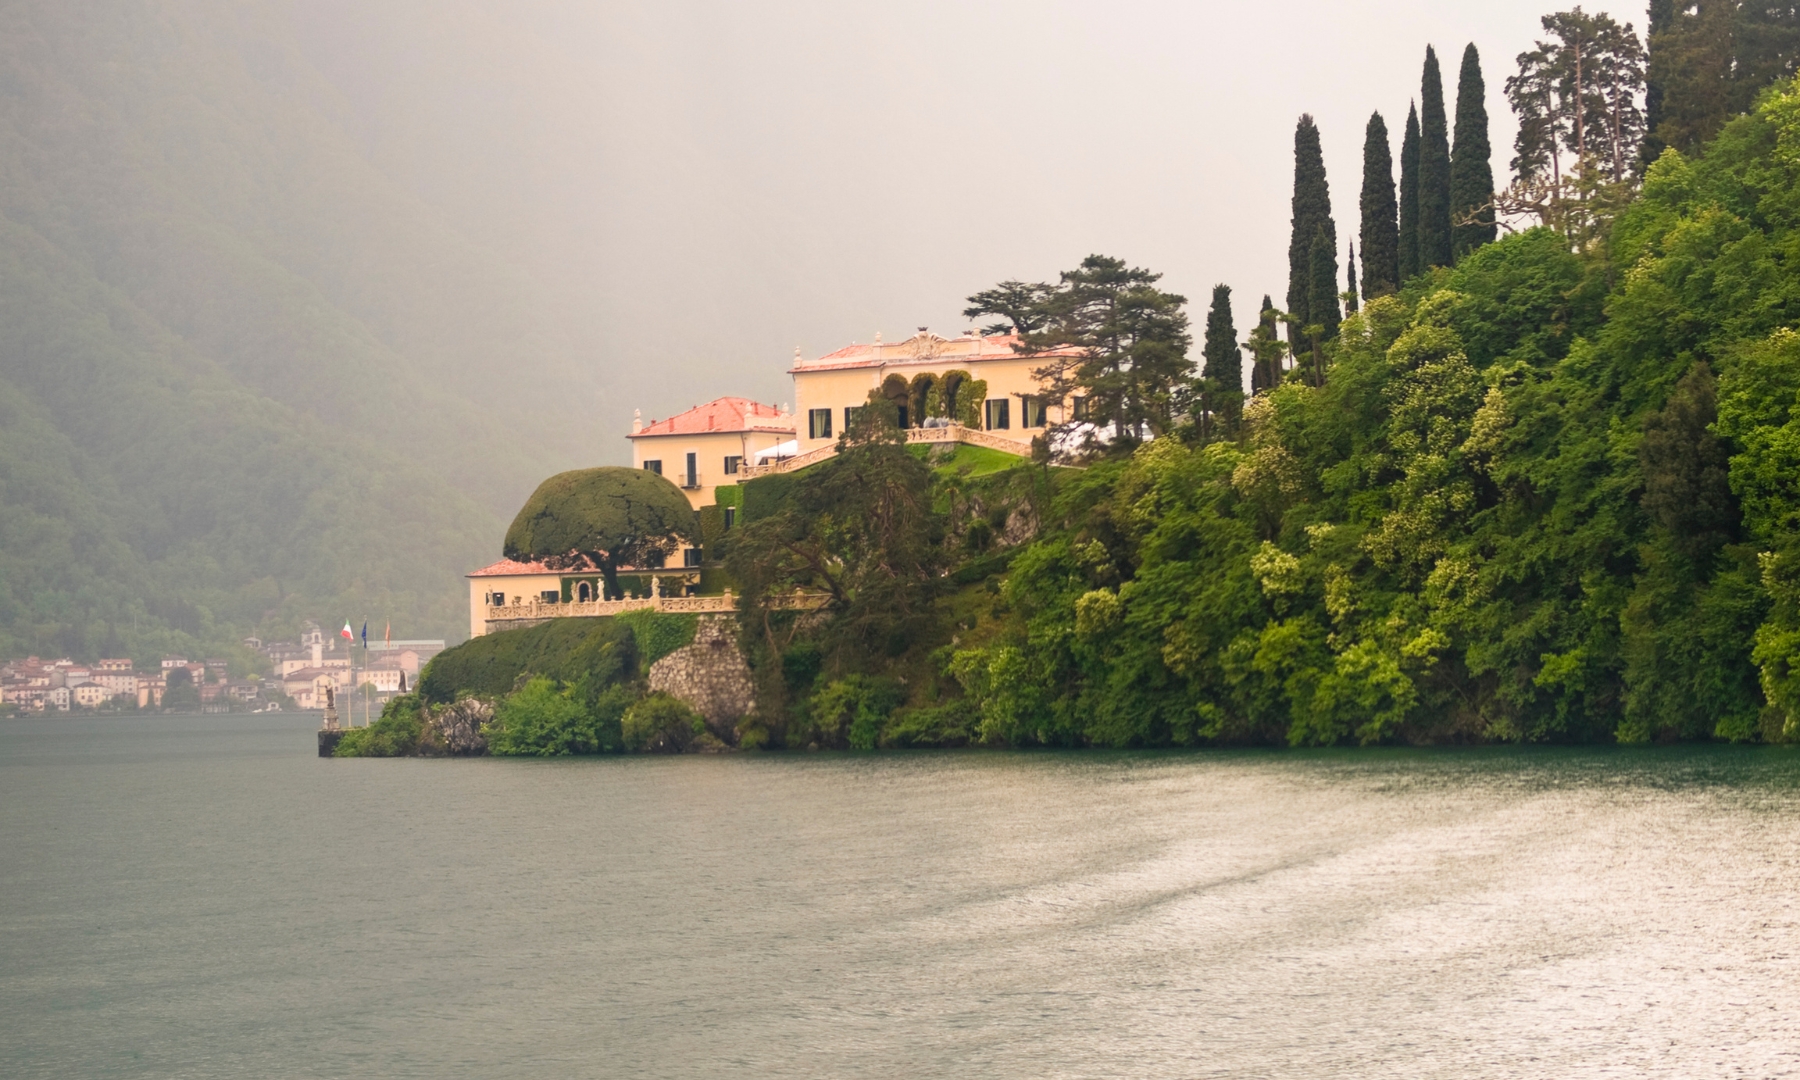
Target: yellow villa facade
column 709, row 444
column 978, row 380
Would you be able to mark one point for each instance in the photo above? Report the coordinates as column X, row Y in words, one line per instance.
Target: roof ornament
column 877, row 337
column 637, row 421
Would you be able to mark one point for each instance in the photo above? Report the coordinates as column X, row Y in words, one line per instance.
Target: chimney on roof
column 637, row 421
column 877, row 337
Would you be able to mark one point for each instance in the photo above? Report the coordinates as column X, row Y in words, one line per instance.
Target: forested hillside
column 245, row 378
column 1546, row 489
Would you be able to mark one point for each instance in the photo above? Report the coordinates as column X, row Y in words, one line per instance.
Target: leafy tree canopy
column 609, row 517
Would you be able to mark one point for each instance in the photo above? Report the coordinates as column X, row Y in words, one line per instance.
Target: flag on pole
column 347, row 633
column 387, row 636
column 365, row 635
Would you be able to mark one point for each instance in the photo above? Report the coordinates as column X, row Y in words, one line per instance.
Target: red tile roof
column 513, row 568
column 926, row 348
column 728, row 414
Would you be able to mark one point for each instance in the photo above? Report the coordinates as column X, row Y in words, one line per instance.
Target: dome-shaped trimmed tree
column 607, row 518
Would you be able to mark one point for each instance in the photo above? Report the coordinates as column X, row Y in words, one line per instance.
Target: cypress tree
column 1380, row 230
column 1322, row 290
column 1434, row 168
column 1223, row 371
column 1350, row 293
column 1409, row 198
column 1662, row 14
column 1265, row 350
column 1312, row 212
column 1471, row 167
column 1224, row 366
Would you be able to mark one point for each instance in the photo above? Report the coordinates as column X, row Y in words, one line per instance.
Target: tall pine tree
column 1434, row 168
column 1350, row 282
column 1471, row 165
column 1409, row 197
column 1380, row 231
column 1222, row 374
column 1312, row 213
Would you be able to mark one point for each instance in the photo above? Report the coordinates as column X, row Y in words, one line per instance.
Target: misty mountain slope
column 247, row 222
column 148, row 501
column 245, row 378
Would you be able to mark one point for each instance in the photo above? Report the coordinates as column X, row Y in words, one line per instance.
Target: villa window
column 730, row 516
column 693, row 471
column 691, row 557
column 850, row 412
column 1078, row 408
column 733, row 462
column 999, row 414
column 583, row 593
column 818, row 423
column 1032, row 406
column 653, row 466
column 550, row 596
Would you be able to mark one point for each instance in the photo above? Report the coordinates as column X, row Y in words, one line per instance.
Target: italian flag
column 348, row 636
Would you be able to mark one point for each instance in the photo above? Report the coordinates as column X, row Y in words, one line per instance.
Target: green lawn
column 974, row 460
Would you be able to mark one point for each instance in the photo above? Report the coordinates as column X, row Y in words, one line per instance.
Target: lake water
column 203, row 897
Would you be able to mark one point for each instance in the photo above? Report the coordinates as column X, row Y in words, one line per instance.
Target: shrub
column 541, row 719
column 850, row 711
column 660, row 724
column 950, row 723
column 398, row 733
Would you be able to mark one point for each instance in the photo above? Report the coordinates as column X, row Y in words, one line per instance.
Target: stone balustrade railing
column 537, row 610
column 949, row 433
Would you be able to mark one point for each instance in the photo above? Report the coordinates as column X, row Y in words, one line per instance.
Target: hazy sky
column 710, row 185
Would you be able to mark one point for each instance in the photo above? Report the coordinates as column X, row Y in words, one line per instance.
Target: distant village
column 300, row 673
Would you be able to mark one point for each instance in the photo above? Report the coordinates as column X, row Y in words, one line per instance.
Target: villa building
column 975, row 388
column 707, row 446
column 976, row 380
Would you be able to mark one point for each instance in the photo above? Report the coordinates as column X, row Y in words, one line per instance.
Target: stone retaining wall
column 710, row 676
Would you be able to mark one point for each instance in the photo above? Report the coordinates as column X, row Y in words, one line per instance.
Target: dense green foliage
column 243, row 370
column 1544, row 494
column 1471, row 162
column 563, row 687
column 1380, row 226
column 1311, row 217
column 546, row 719
column 1409, row 197
column 660, row 724
column 1434, row 168
column 490, row 666
column 400, row 732
column 1708, row 61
